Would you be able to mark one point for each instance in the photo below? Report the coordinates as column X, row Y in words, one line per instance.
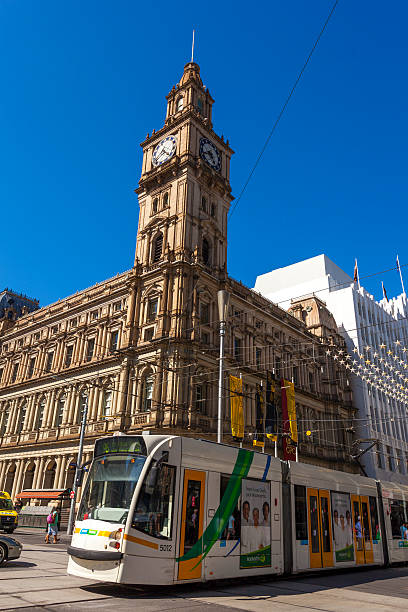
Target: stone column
column 17, row 479
column 60, row 481
column 98, row 343
column 39, row 473
column 13, row 417
column 58, row 466
column 31, row 410
column 49, row 407
column 3, row 471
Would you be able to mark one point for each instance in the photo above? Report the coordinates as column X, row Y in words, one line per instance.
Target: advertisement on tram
column 255, row 524
column 342, row 527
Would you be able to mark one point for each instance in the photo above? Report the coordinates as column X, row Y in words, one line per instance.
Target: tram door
column 192, row 520
column 363, row 539
column 320, row 534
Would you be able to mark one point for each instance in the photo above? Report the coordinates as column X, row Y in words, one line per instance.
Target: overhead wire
column 275, row 125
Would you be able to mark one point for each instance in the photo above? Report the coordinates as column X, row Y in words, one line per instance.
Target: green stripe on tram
column 228, row 502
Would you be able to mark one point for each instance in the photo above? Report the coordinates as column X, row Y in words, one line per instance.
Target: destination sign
column 120, row 444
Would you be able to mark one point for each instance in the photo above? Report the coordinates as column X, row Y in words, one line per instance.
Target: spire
column 191, row 72
column 192, row 50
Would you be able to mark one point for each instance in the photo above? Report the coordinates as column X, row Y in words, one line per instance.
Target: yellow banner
column 290, row 397
column 237, row 408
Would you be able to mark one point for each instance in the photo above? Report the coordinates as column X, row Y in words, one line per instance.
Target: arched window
column 107, row 404
column 200, row 106
column 180, row 103
column 59, row 415
column 40, row 415
column 213, row 210
column 206, row 251
column 4, row 421
column 166, row 200
column 21, row 418
column 204, row 204
column 157, row 247
column 147, row 393
column 155, row 205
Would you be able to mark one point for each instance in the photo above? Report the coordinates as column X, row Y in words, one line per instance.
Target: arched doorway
column 28, row 476
column 11, row 472
column 49, row 475
column 70, row 475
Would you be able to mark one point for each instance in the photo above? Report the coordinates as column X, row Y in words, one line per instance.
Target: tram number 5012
column 165, row 547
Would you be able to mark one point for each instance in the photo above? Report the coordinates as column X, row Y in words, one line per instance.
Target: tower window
column 147, row 394
column 107, row 404
column 68, row 355
column 180, row 104
column 152, row 310
column 90, row 349
column 165, row 200
column 48, row 363
column 157, row 247
column 14, row 374
column 200, row 106
column 213, row 209
column 114, row 341
column 204, row 204
column 204, row 313
column 206, row 251
column 155, row 205
column 31, row 367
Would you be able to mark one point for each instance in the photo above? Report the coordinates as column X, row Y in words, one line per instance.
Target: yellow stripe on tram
column 140, row 541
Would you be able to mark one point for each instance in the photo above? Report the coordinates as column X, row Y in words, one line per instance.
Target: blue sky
column 83, row 82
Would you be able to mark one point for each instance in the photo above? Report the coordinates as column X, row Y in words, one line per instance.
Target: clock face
column 210, row 154
column 164, row 150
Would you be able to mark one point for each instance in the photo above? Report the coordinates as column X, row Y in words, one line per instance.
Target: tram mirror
column 152, row 476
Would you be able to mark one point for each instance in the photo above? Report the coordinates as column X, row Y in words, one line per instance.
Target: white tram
column 168, row 509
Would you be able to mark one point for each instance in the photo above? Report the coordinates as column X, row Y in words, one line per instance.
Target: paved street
column 38, row 581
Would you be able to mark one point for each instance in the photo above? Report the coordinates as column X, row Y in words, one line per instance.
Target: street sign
column 72, row 495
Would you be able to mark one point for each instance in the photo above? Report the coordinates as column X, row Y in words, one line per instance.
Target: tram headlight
column 116, row 535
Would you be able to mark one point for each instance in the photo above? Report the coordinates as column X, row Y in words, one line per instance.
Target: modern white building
column 376, row 330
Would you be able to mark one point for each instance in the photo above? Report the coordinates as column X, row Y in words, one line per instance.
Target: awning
column 41, row 493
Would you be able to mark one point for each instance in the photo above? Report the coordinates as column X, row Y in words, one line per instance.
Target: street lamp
column 78, row 468
column 223, row 303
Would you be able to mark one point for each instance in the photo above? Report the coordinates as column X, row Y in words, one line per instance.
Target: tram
column 168, row 509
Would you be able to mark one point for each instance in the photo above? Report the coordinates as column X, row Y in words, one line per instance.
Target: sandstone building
column 143, row 346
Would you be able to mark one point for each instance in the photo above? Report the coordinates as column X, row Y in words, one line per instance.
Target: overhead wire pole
column 283, row 108
column 78, row 467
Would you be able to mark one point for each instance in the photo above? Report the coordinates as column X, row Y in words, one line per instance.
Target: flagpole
column 192, row 49
column 400, row 272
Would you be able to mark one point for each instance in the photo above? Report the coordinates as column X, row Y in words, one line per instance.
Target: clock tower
column 184, row 196
column 184, row 191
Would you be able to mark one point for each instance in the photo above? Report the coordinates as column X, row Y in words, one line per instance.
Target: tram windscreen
column 109, row 489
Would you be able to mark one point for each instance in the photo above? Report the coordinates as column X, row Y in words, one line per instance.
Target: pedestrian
column 52, row 527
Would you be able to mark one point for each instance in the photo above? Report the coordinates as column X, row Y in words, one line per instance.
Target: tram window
column 192, row 530
column 300, row 512
column 109, row 488
column 397, row 518
column 375, row 526
column 232, row 530
column 314, row 524
column 154, row 508
column 358, row 528
column 366, row 523
column 324, row 507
